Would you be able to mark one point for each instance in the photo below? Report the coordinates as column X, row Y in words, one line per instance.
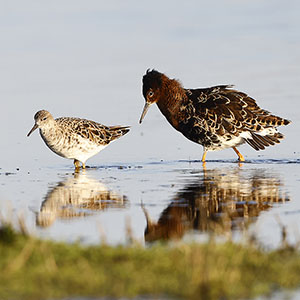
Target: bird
column 75, row 138
column 216, row 117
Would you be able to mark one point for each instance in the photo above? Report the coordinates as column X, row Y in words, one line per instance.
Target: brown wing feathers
column 231, row 111
column 99, row 133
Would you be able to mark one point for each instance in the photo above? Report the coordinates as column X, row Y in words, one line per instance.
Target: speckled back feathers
column 95, row 132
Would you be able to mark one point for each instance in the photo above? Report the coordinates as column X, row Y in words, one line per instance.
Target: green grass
column 31, row 268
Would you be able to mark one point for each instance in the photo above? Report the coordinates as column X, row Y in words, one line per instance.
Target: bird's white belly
column 233, row 142
column 72, row 147
column 82, row 151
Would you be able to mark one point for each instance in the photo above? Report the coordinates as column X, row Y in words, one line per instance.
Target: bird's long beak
column 32, row 129
column 146, row 107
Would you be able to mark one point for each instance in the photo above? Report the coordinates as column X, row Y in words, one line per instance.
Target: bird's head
column 152, row 84
column 42, row 119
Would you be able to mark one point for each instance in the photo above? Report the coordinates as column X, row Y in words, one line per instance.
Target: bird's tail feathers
column 274, row 121
column 119, row 130
column 259, row 142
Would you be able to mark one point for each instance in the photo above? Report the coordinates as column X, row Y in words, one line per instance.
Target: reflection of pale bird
column 77, row 196
column 75, row 138
column 219, row 202
column 218, row 117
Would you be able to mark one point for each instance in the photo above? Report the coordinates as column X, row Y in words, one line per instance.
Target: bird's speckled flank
column 218, row 117
column 75, row 138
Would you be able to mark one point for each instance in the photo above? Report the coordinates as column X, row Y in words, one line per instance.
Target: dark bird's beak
column 146, row 107
column 32, row 129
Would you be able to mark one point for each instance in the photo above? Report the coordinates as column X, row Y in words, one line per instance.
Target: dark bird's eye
column 151, row 93
column 44, row 119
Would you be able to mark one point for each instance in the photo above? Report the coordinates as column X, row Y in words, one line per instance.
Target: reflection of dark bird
column 77, row 196
column 218, row 117
column 217, row 203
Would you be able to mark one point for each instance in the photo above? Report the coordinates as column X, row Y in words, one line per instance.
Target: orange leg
column 203, row 156
column 241, row 157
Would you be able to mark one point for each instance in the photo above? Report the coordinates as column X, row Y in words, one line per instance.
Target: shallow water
column 159, row 200
column 87, row 61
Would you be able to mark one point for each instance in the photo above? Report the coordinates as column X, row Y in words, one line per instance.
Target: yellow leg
column 241, row 157
column 203, row 156
column 83, row 165
column 77, row 165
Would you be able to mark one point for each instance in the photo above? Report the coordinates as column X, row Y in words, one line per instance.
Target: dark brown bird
column 217, row 117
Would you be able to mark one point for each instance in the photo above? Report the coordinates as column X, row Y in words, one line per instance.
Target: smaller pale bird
column 75, row 138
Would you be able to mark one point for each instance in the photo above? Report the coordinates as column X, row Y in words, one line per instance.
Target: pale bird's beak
column 32, row 129
column 146, row 107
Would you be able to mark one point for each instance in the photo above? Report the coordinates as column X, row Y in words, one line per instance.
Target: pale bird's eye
column 150, row 94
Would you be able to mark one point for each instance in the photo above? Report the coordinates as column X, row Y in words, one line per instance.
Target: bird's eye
column 44, row 119
column 151, row 94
